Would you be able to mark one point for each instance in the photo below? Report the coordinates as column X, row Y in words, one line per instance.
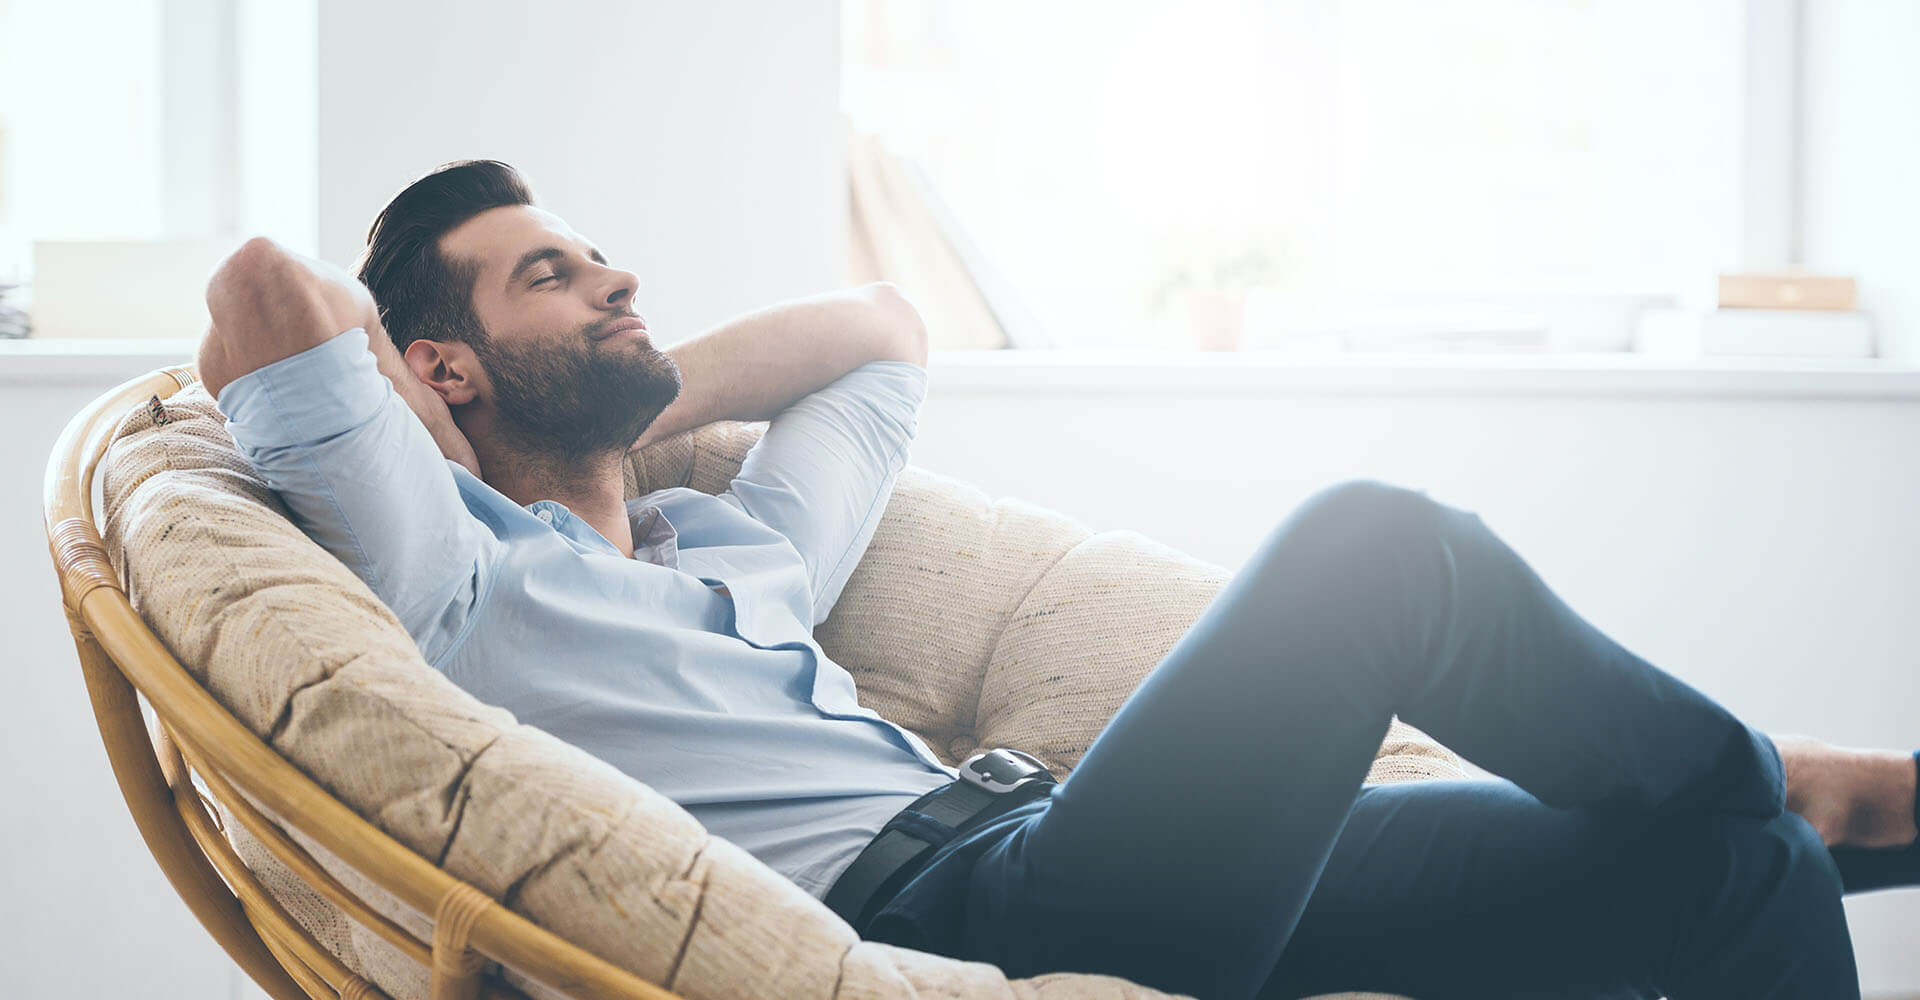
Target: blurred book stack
column 1788, row 314
column 1768, row 315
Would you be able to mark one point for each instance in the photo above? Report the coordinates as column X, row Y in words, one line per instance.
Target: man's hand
column 754, row 366
column 268, row 303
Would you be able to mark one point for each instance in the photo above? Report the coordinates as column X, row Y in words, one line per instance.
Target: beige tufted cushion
column 970, row 620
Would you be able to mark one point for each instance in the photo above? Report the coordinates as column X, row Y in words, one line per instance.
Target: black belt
column 988, row 782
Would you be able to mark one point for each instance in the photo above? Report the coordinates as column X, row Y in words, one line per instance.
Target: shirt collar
column 654, row 538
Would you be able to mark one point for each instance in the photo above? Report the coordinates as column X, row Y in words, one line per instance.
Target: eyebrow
column 538, row 254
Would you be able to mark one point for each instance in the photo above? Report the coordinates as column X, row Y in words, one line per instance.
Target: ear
column 448, row 368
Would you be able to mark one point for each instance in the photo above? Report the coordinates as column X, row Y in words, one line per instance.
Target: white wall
column 697, row 143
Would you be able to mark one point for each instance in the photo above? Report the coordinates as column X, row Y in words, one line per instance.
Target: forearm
column 757, row 364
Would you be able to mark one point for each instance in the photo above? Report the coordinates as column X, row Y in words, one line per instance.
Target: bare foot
column 1854, row 798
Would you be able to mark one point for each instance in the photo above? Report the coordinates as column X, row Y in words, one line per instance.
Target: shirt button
column 545, row 515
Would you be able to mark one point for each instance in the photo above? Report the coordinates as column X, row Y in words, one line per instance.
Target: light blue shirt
column 692, row 666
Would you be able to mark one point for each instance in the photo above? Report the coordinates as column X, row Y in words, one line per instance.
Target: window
column 1173, row 174
column 147, row 134
column 88, row 165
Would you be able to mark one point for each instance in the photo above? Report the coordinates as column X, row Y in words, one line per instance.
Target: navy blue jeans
column 1217, row 838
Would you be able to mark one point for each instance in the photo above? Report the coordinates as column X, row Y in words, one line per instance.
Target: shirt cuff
column 904, row 378
column 325, row 390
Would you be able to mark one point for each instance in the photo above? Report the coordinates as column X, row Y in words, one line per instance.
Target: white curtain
column 899, row 231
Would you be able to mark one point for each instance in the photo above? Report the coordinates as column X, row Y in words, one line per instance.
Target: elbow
column 268, row 303
column 904, row 330
column 233, row 293
column 242, row 277
column 256, row 258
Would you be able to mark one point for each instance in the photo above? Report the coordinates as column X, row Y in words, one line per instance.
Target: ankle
column 1883, row 813
column 1852, row 797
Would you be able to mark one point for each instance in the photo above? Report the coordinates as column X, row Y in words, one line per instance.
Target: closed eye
column 542, row 281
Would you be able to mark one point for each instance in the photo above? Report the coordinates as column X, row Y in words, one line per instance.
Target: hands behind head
column 423, row 401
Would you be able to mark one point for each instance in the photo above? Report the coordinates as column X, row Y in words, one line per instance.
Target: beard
column 577, row 399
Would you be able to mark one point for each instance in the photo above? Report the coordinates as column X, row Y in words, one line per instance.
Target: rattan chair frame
column 124, row 663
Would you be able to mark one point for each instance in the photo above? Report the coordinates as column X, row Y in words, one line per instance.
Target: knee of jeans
column 1729, row 888
column 1811, row 866
column 1744, row 865
column 1368, row 511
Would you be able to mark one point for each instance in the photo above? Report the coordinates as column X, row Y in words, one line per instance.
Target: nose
column 617, row 287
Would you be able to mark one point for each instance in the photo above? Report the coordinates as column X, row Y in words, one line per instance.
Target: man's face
column 571, row 368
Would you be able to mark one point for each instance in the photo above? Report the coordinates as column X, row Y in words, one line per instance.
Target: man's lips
column 621, row 326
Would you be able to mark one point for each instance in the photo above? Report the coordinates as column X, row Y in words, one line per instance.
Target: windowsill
column 1214, row 374
column 39, row 360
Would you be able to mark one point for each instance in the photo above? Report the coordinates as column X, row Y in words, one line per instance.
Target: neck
column 593, row 488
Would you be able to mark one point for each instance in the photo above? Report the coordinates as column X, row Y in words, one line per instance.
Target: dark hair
column 421, row 294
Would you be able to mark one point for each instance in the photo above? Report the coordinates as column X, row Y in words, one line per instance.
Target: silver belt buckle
column 1001, row 770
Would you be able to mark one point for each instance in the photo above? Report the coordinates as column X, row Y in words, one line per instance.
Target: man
column 1216, row 839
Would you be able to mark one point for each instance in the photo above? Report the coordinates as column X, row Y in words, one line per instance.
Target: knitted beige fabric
column 970, row 620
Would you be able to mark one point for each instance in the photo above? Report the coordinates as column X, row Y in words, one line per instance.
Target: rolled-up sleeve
column 822, row 473
column 364, row 479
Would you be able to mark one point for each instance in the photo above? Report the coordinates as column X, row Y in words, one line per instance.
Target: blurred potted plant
column 1212, row 285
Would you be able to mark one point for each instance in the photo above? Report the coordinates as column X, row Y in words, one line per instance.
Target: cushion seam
column 973, row 722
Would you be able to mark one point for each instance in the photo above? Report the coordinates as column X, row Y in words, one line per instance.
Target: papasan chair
column 349, row 823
